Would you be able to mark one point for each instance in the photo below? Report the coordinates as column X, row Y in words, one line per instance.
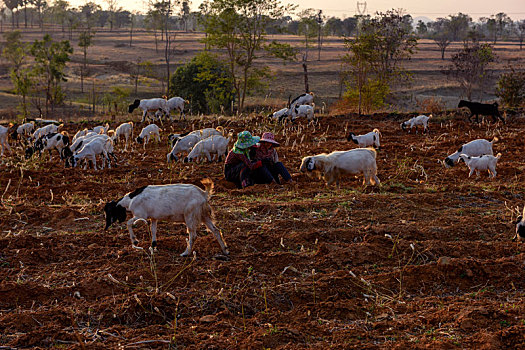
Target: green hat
column 245, row 140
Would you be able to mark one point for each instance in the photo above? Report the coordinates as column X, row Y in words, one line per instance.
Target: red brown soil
column 310, row 266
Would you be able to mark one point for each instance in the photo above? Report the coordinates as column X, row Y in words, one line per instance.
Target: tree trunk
column 305, row 69
column 131, row 34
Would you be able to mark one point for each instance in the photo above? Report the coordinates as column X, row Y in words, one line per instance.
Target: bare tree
column 441, row 34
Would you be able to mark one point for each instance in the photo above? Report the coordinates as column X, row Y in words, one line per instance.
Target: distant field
column 111, row 56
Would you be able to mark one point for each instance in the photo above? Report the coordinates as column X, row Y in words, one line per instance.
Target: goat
column 303, row 111
column 473, row 148
column 101, row 129
column 485, row 162
column 203, row 133
column 91, row 149
column 4, row 133
column 177, row 103
column 414, row 122
column 520, row 227
column 215, row 144
column 148, row 105
column 336, row 164
column 48, row 129
column 366, row 140
column 126, row 130
column 477, row 108
column 24, row 129
column 280, row 115
column 55, row 141
column 304, row 99
column 184, row 144
column 176, row 202
column 147, row 132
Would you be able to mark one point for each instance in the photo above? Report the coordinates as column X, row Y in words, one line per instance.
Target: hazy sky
column 343, row 8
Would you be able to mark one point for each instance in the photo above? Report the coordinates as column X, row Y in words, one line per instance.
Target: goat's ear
column 518, row 219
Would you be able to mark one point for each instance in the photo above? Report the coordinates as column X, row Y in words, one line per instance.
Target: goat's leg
column 154, row 234
column 217, row 233
column 471, row 172
column 134, row 240
column 191, row 225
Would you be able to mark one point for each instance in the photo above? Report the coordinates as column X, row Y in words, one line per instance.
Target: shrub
column 205, row 82
column 511, row 88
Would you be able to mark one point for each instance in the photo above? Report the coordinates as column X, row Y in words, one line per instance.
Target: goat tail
column 498, row 156
column 65, row 133
column 208, row 186
column 494, row 140
column 430, row 116
column 220, row 129
column 140, row 219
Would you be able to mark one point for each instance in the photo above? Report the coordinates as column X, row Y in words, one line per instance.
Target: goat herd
column 188, row 203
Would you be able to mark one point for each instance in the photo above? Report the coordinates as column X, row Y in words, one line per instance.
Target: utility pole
column 361, row 10
column 319, row 22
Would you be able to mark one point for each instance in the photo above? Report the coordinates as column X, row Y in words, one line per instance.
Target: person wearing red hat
column 267, row 154
column 240, row 168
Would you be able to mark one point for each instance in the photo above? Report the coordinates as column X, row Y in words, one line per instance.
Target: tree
column 441, row 34
column 16, row 52
column 85, row 40
column 49, row 68
column 349, row 25
column 421, row 28
column 239, row 28
column 519, row 29
column 59, row 11
column 40, row 6
column 141, row 68
column 89, row 12
column 185, row 13
column 205, row 82
column 112, row 9
column 459, row 25
column 334, row 26
column 12, row 5
column 373, row 59
column 469, row 66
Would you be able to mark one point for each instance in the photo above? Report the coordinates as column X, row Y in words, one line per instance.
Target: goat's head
column 350, row 137
column 134, row 105
column 404, row 125
column 139, row 140
column 114, row 212
column 462, row 103
column 449, row 162
column 307, row 164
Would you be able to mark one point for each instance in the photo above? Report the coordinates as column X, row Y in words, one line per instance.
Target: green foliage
column 469, row 66
column 239, row 28
column 205, row 82
column 16, row 52
column 117, row 100
column 511, row 88
column 50, row 62
column 373, row 59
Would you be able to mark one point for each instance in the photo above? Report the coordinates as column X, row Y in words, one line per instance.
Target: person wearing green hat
column 240, row 169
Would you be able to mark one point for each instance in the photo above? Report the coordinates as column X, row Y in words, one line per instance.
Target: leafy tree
column 16, row 52
column 59, row 12
column 497, row 24
column 469, row 66
column 349, row 25
column 519, row 29
column 12, row 5
column 421, row 28
column 205, row 81
column 334, row 26
column 85, row 40
column 89, row 12
column 116, row 100
column 40, row 6
column 185, row 13
column 373, row 59
column 239, row 28
column 511, row 88
column 50, row 63
column 112, row 9
column 459, row 25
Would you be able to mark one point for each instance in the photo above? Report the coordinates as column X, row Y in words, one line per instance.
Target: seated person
column 266, row 153
column 239, row 167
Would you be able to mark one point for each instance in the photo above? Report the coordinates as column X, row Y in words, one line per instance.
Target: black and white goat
column 339, row 163
column 520, row 227
column 177, row 203
column 366, row 140
column 280, row 115
column 304, row 99
column 184, row 144
column 473, row 148
column 477, row 108
column 149, row 105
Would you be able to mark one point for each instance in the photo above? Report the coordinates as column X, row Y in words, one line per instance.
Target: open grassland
column 310, row 266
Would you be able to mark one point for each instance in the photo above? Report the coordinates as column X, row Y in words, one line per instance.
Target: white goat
column 25, row 129
column 279, row 115
column 178, row 104
column 149, row 105
column 215, row 144
column 485, row 162
column 414, row 122
column 48, row 129
column 366, row 140
column 184, row 144
column 126, row 130
column 101, row 129
column 203, row 133
column 303, row 111
column 96, row 146
column 147, row 132
column 4, row 133
column 177, row 203
column 473, row 148
column 336, row 164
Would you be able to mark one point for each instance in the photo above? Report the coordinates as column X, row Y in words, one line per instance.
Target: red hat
column 268, row 137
